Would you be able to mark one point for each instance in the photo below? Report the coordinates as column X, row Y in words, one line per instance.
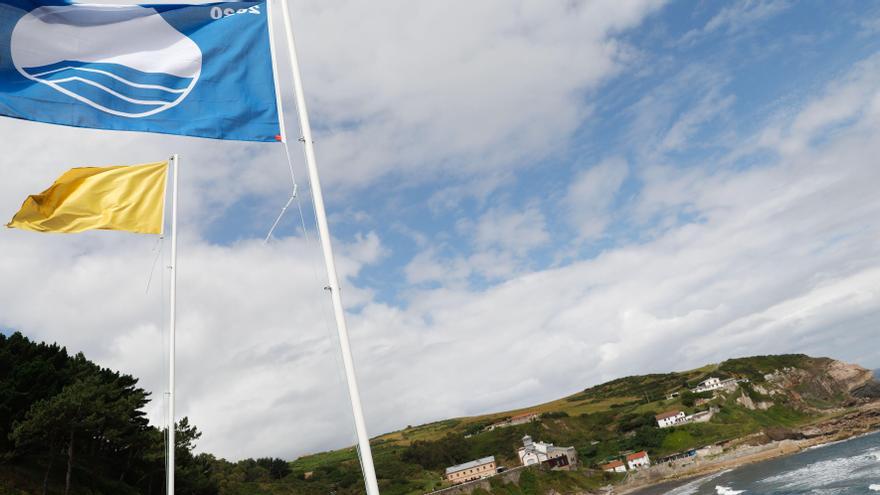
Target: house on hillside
column 539, row 453
column 473, row 470
column 670, row 418
column 638, row 460
column 708, row 385
column 519, row 419
column 614, row 467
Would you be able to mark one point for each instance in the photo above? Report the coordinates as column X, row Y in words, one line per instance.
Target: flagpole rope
column 158, row 249
column 293, row 196
column 310, row 241
column 326, row 313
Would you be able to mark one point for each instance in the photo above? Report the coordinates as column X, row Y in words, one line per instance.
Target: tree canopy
column 84, row 426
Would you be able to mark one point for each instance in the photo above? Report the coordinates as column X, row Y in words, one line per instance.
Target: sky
column 526, row 198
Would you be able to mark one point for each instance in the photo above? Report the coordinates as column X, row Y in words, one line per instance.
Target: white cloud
column 870, row 25
column 428, row 266
column 710, row 106
column 668, row 117
column 515, row 231
column 590, row 196
column 501, row 239
column 844, row 101
column 431, row 267
column 417, row 89
column 737, row 18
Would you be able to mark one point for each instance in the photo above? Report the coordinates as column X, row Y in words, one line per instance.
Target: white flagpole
column 171, row 326
column 359, row 423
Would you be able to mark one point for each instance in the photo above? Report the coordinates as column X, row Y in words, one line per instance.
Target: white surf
column 726, row 490
column 693, row 487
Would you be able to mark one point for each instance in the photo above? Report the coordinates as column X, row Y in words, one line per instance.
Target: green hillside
column 49, row 399
column 600, row 422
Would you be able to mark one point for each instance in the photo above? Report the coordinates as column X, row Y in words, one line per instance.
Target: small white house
column 638, row 460
column 708, row 384
column 670, row 418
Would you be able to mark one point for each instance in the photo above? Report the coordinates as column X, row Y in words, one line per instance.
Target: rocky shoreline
column 848, row 423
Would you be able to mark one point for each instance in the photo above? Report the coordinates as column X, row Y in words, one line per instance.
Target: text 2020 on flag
column 198, row 70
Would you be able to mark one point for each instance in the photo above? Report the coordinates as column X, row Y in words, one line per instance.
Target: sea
column 848, row 467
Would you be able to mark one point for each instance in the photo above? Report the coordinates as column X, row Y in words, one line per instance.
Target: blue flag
column 197, row 70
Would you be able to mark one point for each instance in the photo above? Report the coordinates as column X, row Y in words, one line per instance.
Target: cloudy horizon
column 527, row 198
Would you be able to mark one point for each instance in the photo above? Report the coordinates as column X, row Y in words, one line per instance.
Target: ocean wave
column 874, row 488
column 827, row 444
column 854, row 437
column 692, row 487
column 726, row 490
column 826, row 472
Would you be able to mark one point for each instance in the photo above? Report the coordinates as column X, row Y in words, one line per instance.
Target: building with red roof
column 614, row 467
column 638, row 460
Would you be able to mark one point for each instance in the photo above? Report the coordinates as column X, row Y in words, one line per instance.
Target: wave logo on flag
column 123, row 60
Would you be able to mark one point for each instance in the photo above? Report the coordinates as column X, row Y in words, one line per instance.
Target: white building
column 670, row 418
column 708, row 384
column 537, row 452
column 638, row 460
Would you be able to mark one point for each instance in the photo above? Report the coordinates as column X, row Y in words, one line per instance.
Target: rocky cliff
column 819, row 383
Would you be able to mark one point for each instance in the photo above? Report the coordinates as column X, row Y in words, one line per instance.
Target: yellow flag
column 111, row 198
